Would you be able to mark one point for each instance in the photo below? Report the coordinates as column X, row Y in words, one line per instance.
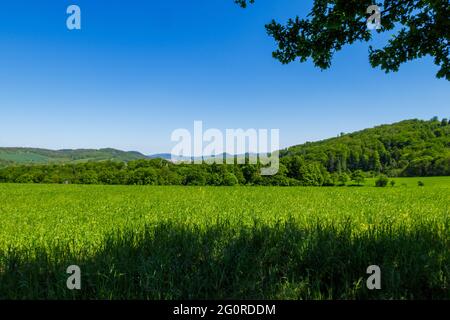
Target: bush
column 195, row 178
column 311, row 175
column 382, row 181
column 420, row 183
column 343, row 178
column 230, row 179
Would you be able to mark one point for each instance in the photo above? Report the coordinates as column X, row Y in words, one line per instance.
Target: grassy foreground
column 225, row 242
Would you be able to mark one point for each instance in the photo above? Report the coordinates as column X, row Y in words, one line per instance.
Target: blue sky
column 140, row 69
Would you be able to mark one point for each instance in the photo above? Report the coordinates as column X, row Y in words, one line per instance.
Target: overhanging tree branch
column 424, row 30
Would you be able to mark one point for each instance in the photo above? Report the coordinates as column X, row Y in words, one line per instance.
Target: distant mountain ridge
column 19, row 156
column 10, row 156
column 410, row 147
column 165, row 156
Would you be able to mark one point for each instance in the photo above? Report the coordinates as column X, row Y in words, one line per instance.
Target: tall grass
column 222, row 243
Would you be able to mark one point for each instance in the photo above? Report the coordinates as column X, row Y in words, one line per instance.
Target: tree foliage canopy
column 421, row 28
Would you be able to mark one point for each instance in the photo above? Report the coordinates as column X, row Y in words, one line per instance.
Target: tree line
column 408, row 148
column 293, row 171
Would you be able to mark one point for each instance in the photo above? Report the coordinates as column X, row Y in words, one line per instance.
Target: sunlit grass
column 224, row 242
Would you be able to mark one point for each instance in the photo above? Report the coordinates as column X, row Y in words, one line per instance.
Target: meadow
column 174, row 242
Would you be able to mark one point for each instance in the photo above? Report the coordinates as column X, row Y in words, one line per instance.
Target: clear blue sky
column 140, row 69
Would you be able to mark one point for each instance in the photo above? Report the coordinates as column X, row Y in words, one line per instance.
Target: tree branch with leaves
column 421, row 28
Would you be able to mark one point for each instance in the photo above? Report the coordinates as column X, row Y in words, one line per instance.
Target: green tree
column 328, row 179
column 88, row 177
column 25, row 178
column 343, row 178
column 311, row 175
column 251, row 174
column 229, row 179
column 420, row 166
column 442, row 166
column 358, row 177
column 195, row 178
column 214, row 179
column 420, row 28
column 374, row 162
column 294, row 165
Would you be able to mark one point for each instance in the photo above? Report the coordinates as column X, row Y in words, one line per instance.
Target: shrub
column 343, row 178
column 382, row 181
column 358, row 177
column 230, row 179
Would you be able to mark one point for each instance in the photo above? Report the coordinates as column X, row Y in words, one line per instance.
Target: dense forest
column 407, row 148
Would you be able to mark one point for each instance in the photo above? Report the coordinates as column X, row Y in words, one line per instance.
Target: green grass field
column 141, row 242
column 413, row 182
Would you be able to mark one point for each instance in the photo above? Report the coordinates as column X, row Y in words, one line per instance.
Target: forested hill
column 10, row 156
column 411, row 147
column 407, row 148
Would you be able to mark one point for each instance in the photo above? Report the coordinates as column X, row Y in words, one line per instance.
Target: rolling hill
column 10, row 156
column 410, row 147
